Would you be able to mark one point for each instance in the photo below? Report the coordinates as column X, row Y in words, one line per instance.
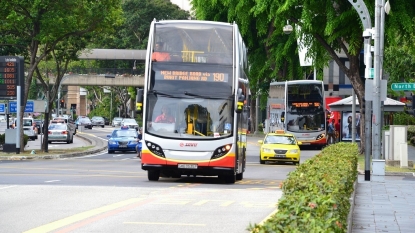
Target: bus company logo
column 188, row 144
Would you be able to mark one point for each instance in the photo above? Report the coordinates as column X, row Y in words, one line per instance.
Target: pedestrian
column 139, row 145
column 330, row 133
column 337, row 128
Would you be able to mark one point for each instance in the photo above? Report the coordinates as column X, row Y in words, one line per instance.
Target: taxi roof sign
column 280, row 131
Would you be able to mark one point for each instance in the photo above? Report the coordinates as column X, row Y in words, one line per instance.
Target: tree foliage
column 329, row 28
column 40, row 27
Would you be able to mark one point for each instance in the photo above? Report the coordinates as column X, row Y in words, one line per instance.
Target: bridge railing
column 106, row 71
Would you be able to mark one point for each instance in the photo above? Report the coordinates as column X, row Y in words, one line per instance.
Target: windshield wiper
column 155, row 92
column 159, row 93
column 205, row 97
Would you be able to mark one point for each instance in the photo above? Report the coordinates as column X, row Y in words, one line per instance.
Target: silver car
column 59, row 132
column 98, row 121
column 131, row 123
column 116, row 121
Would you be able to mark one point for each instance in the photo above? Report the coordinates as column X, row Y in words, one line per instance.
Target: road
column 110, row 193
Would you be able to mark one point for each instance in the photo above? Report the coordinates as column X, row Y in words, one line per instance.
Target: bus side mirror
column 282, row 117
column 139, row 101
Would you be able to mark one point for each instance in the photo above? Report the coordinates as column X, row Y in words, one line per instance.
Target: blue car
column 123, row 139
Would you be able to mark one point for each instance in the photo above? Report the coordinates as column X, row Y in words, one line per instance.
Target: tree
column 328, row 28
column 133, row 34
column 41, row 25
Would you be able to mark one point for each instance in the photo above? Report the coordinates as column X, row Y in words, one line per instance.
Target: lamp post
column 380, row 9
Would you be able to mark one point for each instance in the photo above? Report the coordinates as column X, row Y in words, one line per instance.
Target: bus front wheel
column 153, row 175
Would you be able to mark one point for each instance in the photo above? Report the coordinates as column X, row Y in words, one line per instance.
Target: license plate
column 123, row 146
column 279, row 156
column 305, row 143
column 187, row 166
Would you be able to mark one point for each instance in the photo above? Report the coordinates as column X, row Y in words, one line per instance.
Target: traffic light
column 62, row 103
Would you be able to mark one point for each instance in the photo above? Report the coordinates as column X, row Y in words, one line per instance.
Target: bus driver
column 165, row 116
column 160, row 56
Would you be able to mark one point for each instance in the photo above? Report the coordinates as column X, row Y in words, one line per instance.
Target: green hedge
column 316, row 195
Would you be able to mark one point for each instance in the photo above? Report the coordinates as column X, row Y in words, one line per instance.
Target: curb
column 351, row 210
column 98, row 144
column 361, row 172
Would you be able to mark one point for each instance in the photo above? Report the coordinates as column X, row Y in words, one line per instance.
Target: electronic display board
column 10, row 69
column 191, row 76
column 305, row 104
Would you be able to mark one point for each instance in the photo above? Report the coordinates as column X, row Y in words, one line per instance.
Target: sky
column 184, row 4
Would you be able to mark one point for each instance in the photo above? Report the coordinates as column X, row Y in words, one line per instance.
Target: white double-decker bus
column 194, row 101
column 298, row 107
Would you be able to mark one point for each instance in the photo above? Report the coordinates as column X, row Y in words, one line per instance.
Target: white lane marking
column 117, row 155
column 51, row 181
column 8, row 187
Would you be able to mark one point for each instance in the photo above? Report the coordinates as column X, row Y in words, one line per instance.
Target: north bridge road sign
column 403, row 86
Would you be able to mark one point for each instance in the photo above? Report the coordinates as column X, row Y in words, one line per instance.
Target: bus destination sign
column 306, row 104
column 9, row 68
column 191, row 76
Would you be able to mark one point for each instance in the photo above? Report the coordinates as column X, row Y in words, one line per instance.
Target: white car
column 116, row 121
column 28, row 127
column 131, row 123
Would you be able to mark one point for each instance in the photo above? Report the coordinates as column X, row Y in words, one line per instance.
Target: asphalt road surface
column 110, row 193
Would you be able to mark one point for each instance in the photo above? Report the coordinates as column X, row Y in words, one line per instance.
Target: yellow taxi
column 279, row 147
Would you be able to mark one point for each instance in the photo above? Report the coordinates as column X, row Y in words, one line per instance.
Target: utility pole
column 364, row 15
column 376, row 81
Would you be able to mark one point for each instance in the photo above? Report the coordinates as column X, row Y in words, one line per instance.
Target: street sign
column 403, row 86
column 2, row 108
column 29, row 106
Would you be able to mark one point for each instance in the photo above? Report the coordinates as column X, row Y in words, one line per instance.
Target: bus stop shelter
column 344, row 106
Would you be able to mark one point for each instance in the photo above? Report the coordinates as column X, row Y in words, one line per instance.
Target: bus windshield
column 191, row 117
column 305, row 108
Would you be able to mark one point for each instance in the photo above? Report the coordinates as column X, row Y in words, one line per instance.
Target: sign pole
column 18, row 123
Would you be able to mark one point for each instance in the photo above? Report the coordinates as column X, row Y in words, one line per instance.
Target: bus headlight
column 221, row 151
column 321, row 136
column 155, row 149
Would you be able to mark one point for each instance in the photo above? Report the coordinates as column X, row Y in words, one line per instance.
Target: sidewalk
column 384, row 204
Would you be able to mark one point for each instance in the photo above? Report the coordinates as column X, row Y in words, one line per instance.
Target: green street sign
column 372, row 73
column 403, row 86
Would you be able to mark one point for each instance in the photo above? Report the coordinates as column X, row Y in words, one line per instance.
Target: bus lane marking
column 84, row 215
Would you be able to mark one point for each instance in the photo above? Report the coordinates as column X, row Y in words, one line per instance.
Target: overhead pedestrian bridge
column 108, row 76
